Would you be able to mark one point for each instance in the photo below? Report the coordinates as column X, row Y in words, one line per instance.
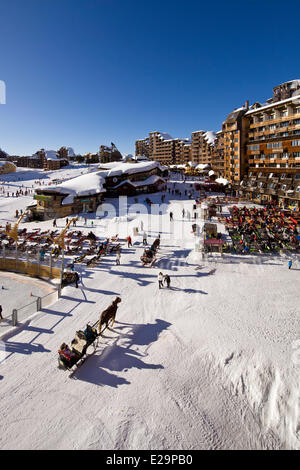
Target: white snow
column 222, row 181
column 210, row 137
column 85, row 185
column 119, row 168
column 212, row 363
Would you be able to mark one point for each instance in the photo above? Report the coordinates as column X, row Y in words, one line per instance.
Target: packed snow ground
column 212, row 363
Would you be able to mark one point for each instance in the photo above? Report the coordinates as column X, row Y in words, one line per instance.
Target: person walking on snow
column 145, row 239
column 129, row 243
column 290, row 263
column 118, row 258
column 1, row 317
column 167, row 280
column 171, row 216
column 76, row 279
column 160, row 280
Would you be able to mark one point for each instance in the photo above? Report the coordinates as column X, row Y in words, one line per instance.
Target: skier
column 160, row 280
column 129, row 242
column 54, row 223
column 171, row 216
column 183, row 213
column 290, row 263
column 1, row 317
column 118, row 258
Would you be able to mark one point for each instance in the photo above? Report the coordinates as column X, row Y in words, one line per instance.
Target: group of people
column 163, row 279
column 268, row 228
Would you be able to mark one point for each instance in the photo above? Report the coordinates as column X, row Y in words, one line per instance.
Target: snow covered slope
column 211, row 363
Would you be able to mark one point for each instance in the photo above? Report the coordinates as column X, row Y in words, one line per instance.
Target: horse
column 109, row 314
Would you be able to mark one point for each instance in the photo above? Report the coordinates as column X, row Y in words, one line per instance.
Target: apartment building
column 163, row 148
column 218, row 155
column 234, row 131
column 142, row 148
column 109, row 154
column 203, row 147
column 273, row 148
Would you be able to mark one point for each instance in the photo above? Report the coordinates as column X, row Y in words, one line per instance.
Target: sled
column 80, row 344
column 75, row 356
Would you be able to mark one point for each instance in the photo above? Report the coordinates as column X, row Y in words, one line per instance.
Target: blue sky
column 82, row 73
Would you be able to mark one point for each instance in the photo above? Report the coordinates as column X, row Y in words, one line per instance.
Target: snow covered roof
column 222, row 181
column 177, row 166
column 84, row 185
column 120, row 168
column 277, row 103
column 71, row 152
column 151, row 180
column 51, row 154
column 210, row 136
column 202, row 166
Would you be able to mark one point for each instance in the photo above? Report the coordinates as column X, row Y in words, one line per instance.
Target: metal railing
column 22, row 313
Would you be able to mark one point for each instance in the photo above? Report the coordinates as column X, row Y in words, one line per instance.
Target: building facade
column 273, row 148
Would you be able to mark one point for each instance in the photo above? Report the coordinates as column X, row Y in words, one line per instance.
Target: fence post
column 39, row 262
column 16, row 256
column 50, row 266
column 14, row 317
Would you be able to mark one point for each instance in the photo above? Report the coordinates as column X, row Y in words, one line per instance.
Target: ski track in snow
column 204, row 365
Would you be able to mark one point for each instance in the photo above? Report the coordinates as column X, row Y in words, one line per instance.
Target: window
column 283, row 187
column 253, row 147
column 297, row 111
column 296, row 143
column 274, row 145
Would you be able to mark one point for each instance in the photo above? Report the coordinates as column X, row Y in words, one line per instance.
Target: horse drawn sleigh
column 148, row 258
column 76, row 354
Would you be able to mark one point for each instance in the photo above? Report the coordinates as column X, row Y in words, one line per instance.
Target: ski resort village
column 152, row 304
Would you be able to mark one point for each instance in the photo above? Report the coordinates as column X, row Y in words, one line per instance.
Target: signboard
column 40, row 197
